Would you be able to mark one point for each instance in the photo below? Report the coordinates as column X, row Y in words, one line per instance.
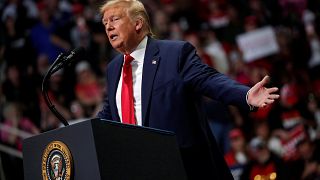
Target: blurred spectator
column 234, row 27
column 261, row 130
column 217, row 16
column 293, row 8
column 264, row 164
column 250, row 23
column 313, row 107
column 80, row 35
column 309, row 164
column 238, row 68
column 193, row 38
column 42, row 35
column 14, row 120
column 42, row 65
column 314, row 43
column 12, row 89
column 16, row 88
column 88, row 90
column 237, row 156
column 287, row 121
column 78, row 112
column 161, row 24
column 91, row 11
column 16, row 126
column 17, row 46
column 176, row 32
column 259, row 11
column 217, row 53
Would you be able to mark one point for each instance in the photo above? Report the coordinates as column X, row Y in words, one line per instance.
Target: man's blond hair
column 135, row 9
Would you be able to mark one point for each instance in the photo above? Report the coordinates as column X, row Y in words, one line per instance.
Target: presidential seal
column 56, row 162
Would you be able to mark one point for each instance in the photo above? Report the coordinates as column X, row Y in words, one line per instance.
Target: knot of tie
column 128, row 59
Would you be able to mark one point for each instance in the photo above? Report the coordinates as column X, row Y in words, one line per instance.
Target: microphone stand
column 57, row 65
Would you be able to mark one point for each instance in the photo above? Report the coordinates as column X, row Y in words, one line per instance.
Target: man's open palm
column 260, row 96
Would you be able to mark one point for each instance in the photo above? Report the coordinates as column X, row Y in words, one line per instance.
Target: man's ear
column 139, row 24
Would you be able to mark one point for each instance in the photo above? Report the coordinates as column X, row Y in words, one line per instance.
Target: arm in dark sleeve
column 208, row 81
column 105, row 113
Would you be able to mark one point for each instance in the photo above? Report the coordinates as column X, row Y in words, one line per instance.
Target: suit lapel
column 114, row 80
column 150, row 66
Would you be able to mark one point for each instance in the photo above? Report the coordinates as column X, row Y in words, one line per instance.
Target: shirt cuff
column 251, row 108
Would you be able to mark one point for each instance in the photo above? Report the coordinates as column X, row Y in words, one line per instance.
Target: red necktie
column 127, row 106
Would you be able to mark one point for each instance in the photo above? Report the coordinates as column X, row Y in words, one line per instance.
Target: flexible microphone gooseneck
column 60, row 62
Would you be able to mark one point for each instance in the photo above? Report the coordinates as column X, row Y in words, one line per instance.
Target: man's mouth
column 113, row 37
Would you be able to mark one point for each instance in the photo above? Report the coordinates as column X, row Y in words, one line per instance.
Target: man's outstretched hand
column 260, row 96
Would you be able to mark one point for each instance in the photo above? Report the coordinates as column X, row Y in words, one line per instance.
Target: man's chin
column 119, row 49
column 116, row 45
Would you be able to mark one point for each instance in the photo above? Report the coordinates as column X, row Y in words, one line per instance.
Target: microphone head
column 75, row 55
column 77, row 52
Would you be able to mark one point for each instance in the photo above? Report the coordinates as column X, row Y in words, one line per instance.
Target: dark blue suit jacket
column 173, row 83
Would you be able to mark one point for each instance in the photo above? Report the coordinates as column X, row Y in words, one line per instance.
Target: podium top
column 104, row 149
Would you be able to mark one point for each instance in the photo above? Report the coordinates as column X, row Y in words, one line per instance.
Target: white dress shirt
column 137, row 67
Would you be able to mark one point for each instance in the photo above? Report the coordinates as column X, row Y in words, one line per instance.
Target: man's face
column 122, row 31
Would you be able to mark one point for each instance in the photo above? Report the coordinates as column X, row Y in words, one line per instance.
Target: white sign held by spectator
column 258, row 44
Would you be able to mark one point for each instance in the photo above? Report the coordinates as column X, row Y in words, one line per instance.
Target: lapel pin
column 154, row 62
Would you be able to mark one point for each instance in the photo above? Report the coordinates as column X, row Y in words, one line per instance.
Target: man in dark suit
column 160, row 84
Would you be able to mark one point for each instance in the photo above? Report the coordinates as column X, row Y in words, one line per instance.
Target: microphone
column 63, row 59
column 74, row 56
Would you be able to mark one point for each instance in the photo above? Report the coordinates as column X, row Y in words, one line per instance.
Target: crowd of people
column 276, row 142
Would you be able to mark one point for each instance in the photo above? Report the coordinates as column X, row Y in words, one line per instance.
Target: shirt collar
column 139, row 52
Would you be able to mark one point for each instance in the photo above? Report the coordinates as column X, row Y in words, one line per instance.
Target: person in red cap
column 236, row 158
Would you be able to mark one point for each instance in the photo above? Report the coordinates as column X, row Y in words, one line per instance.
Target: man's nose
column 109, row 27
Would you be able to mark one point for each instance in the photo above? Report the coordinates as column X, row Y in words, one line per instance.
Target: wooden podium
column 103, row 150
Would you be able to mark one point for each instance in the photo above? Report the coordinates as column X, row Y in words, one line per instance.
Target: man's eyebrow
column 110, row 17
column 105, row 19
